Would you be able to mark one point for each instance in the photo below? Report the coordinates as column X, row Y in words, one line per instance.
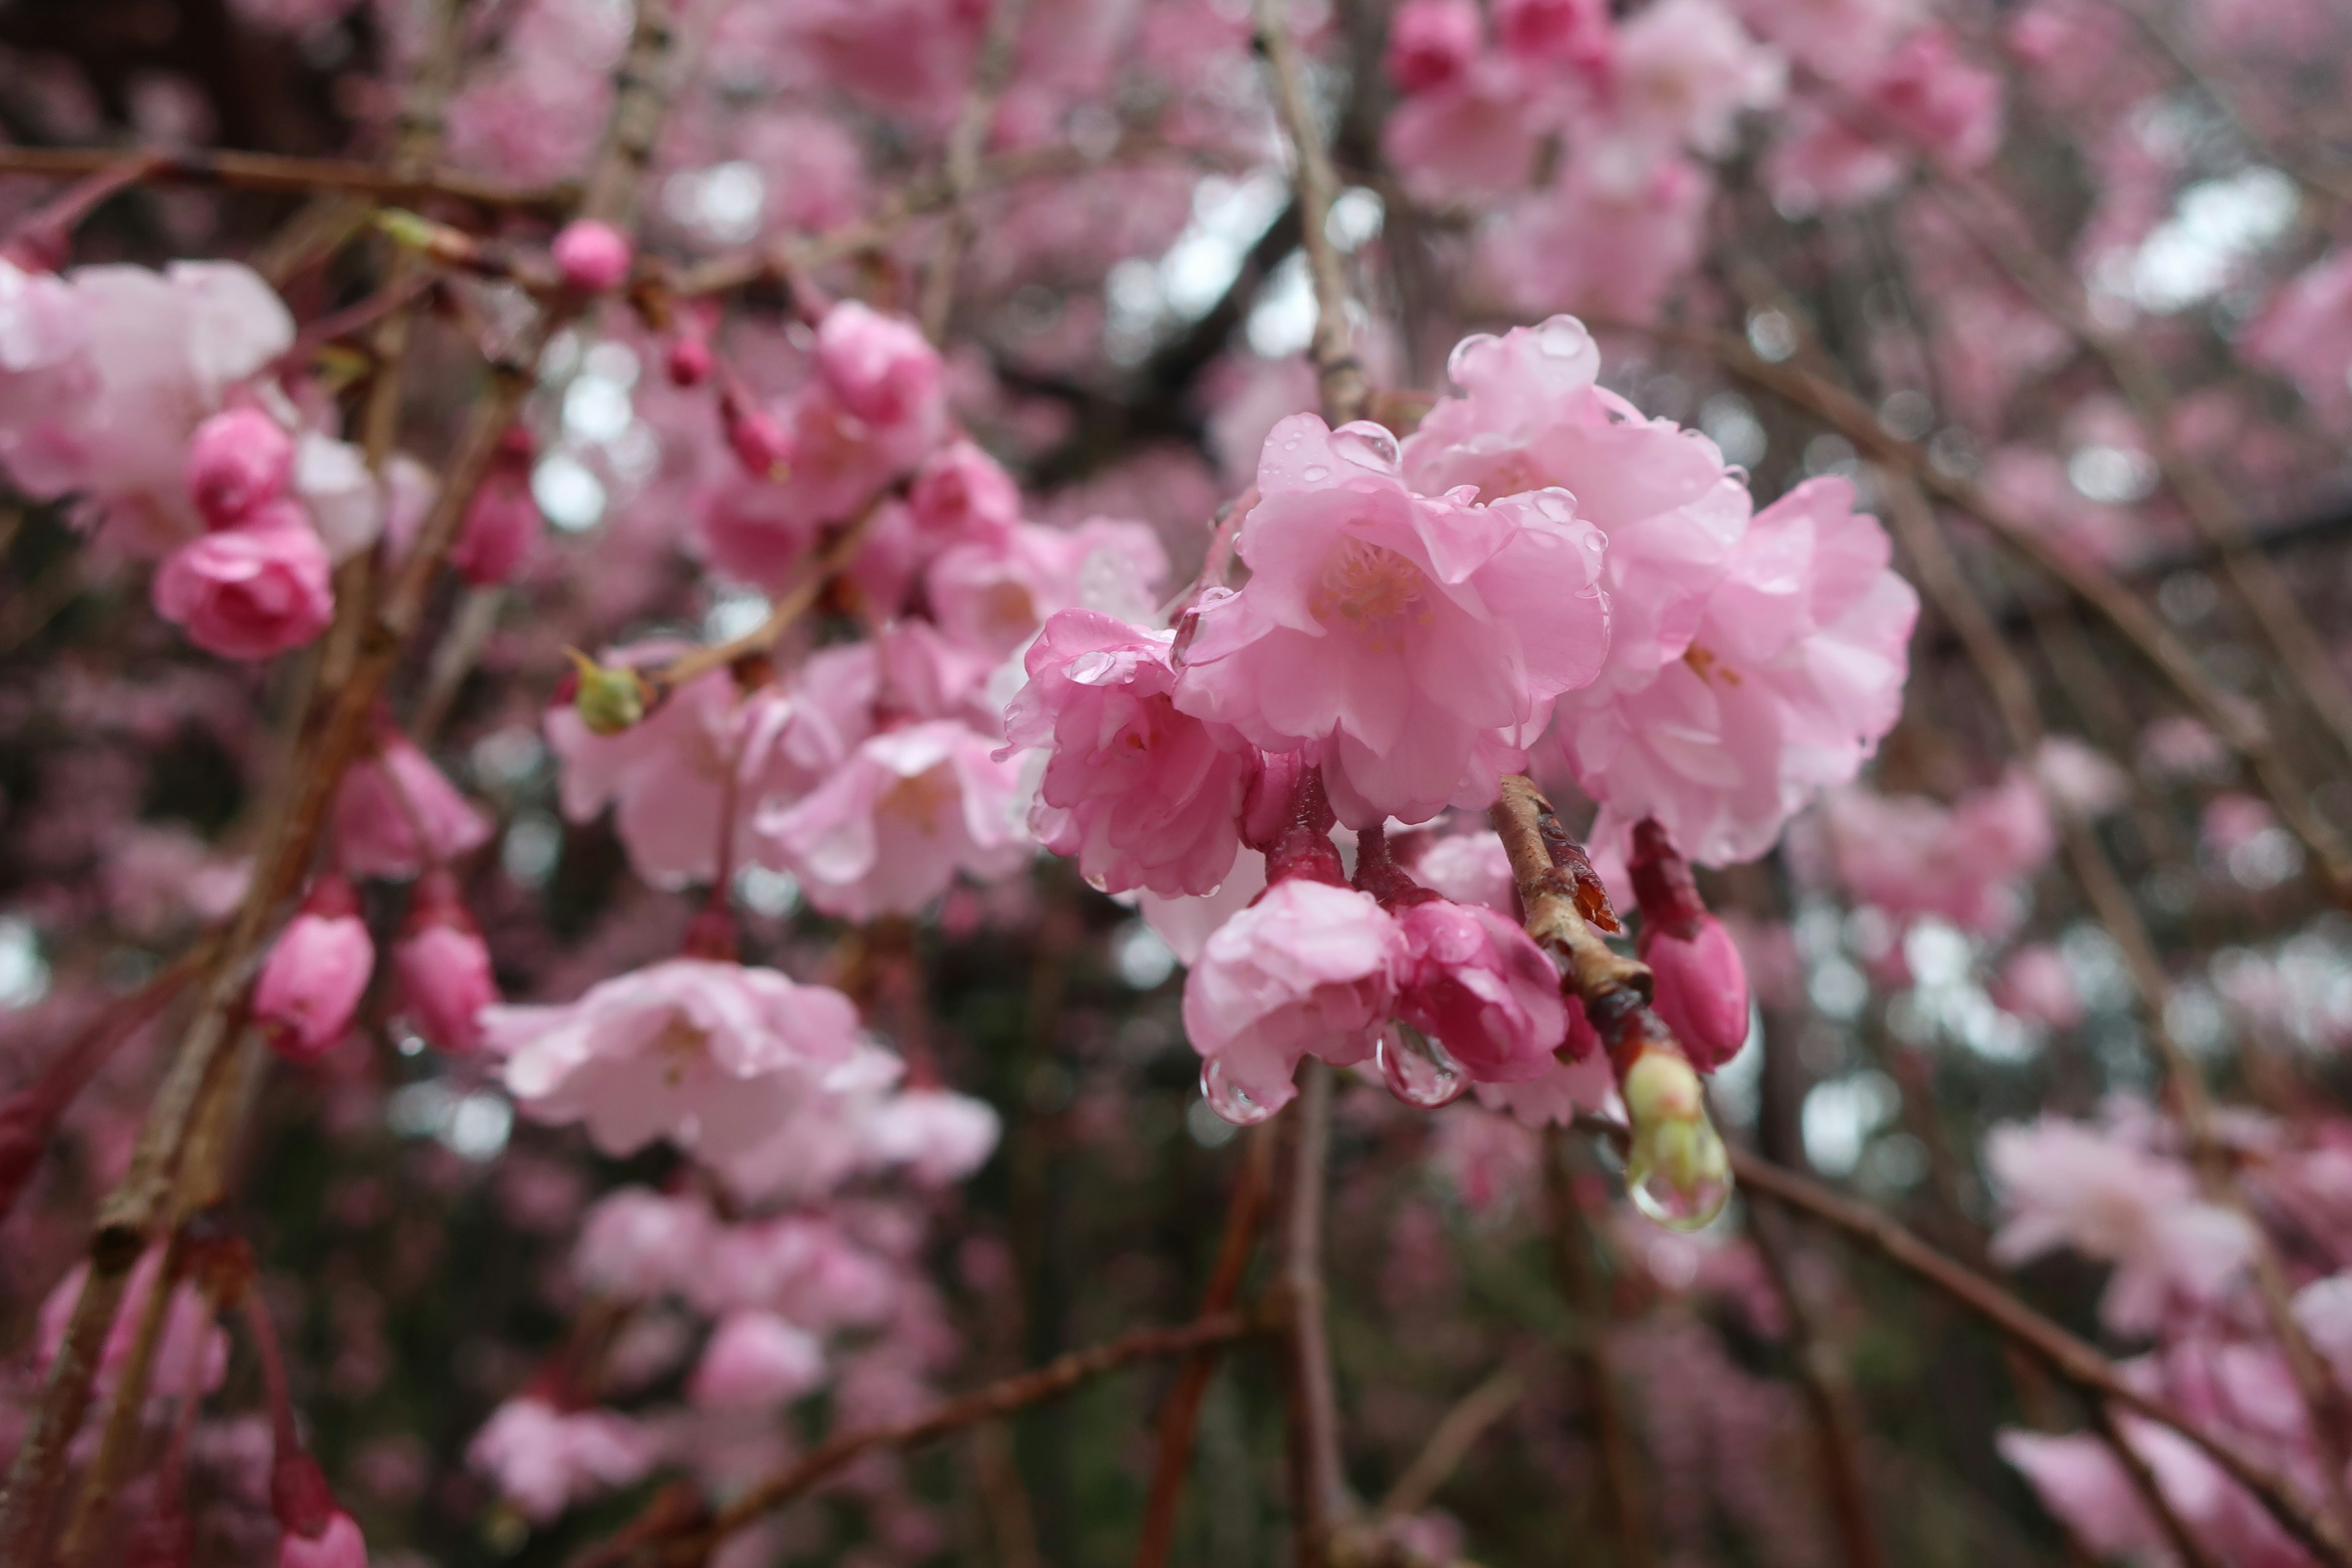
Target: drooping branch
column 239, row 171
column 1338, row 373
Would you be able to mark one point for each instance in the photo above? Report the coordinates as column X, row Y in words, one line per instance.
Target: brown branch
column 693, row 1541
column 1180, row 1412
column 2185, row 1542
column 1451, row 1440
column 1338, row 373
column 2069, row 1357
column 782, row 614
column 1319, row 1494
column 269, row 172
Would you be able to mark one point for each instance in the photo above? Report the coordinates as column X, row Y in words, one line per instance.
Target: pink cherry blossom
column 756, row 1361
column 889, row 831
column 2063, row 1183
column 251, row 591
column 1143, row 796
column 1308, row 969
column 1684, row 70
column 1577, row 1081
column 709, row 1055
column 879, row 366
column 1968, row 863
column 1468, row 868
column 192, row 1353
column 1567, row 32
column 310, row 985
column 1478, row 130
column 636, row 1244
column 238, row 461
column 994, row 593
column 339, row 1545
column 543, row 1459
column 2034, row 982
column 963, row 494
column 443, row 966
column 1415, row 643
column 502, row 523
column 2305, row 333
column 1476, row 983
column 938, row 1137
column 593, row 257
column 1612, row 236
column 1431, row 42
column 1840, row 38
column 384, row 802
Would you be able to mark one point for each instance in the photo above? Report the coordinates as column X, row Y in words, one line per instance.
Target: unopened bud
column 609, row 698
column 595, row 258
column 1677, row 1170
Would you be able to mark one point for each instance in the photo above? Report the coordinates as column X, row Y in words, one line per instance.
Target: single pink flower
column 543, row 1460
column 1431, row 42
column 1308, row 969
column 636, row 1244
column 1682, row 72
column 1415, row 643
column 755, row 1361
column 960, row 492
column 443, row 966
column 339, row 1545
column 237, row 461
column 938, row 1137
column 879, row 366
column 1969, row 864
column 888, row 832
column 502, row 522
column 311, row 984
column 595, row 258
column 1476, row 131
column 1141, row 795
column 386, row 799
column 1615, row 235
column 709, row 1055
column 251, row 591
column 1476, row 983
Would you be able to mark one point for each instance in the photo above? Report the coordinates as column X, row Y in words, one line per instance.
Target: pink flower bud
column 314, row 977
column 761, row 444
column 339, row 1545
column 756, row 1360
column 383, row 803
column 502, row 522
column 253, row 591
column 689, row 360
column 1701, row 983
column 444, row 966
column 880, row 368
column 1479, row 984
column 238, row 461
column 595, row 258
column 1431, row 42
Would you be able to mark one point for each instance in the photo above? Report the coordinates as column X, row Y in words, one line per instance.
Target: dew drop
column 1227, row 1100
column 1314, row 473
column 1417, row 1070
column 1457, row 363
column 1562, row 337
column 1367, row 446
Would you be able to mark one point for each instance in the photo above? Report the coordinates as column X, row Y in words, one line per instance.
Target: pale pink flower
column 1839, row 39
column 755, row 1361
column 636, row 1244
column 1141, row 795
column 1308, row 969
column 192, row 1352
column 2079, row 1479
column 880, row 368
column 2035, row 984
column 238, row 461
column 1476, row 983
column 1683, row 71
column 443, row 966
column 1415, row 643
column 938, row 1136
column 888, row 832
column 2063, row 1183
column 1476, row 133
column 384, row 802
column 317, row 971
column 822, row 1141
column 251, row 591
column 1923, row 101
column 1792, row 673
column 993, row 593
column 1186, row 923
column 1470, row 867
column 2305, row 333
column 1431, row 42
column 543, row 1460
column 339, row 1545
column 1822, row 160
column 593, row 257
column 1616, row 235
column 1968, row 863
column 709, row 1055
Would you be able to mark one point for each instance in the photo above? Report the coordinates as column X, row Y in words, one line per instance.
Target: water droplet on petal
column 1227, row 1100
column 1562, row 337
column 1367, row 446
column 1314, row 473
column 1457, row 363
column 1417, row 1070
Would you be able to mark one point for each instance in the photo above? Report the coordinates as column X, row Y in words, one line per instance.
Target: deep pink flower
column 310, row 985
column 1416, row 643
column 339, row 1546
column 1476, row 983
column 251, row 591
column 1701, row 979
column 386, row 798
column 1143, row 795
column 544, row 1460
column 756, row 1361
column 960, row 492
column 238, row 461
column 1308, row 969
column 502, row 522
column 880, row 368
column 709, row 1055
column 443, row 966
column 1570, row 32
column 594, row 257
column 897, row 820
column 1431, row 42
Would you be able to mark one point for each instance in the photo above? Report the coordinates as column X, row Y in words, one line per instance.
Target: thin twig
column 1450, row 1442
column 1338, row 373
column 269, row 172
column 782, row 614
column 2185, row 1541
column 1180, row 1412
column 1318, row 1495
